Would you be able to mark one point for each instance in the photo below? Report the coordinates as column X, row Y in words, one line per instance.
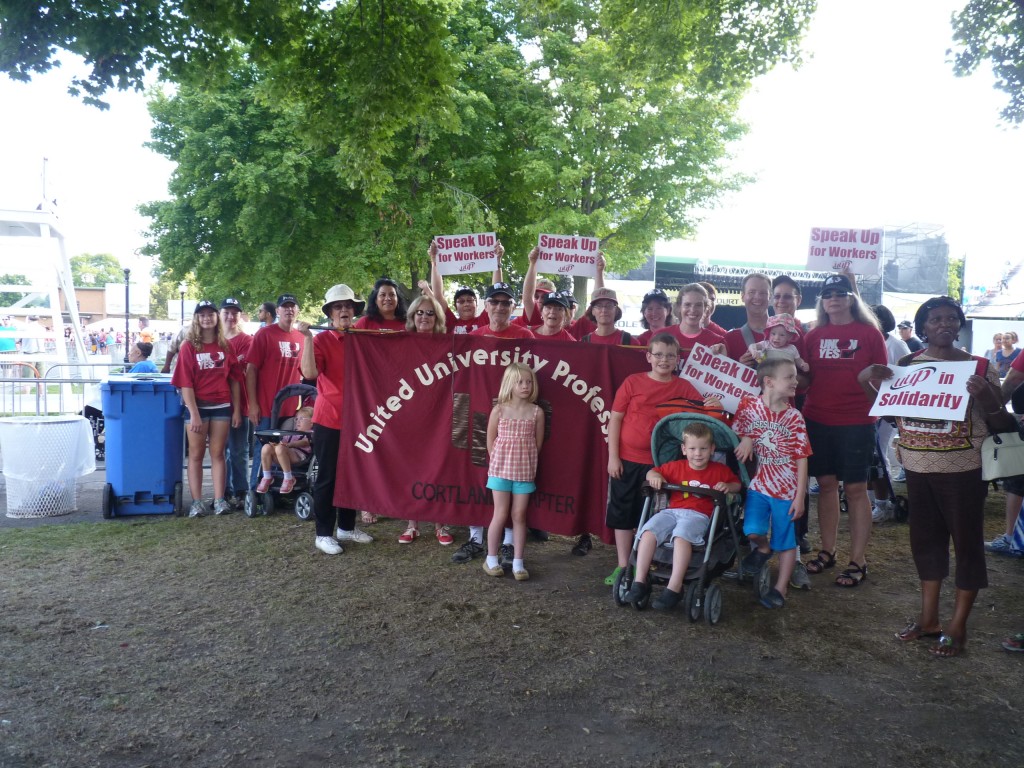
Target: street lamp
column 182, row 287
column 127, row 314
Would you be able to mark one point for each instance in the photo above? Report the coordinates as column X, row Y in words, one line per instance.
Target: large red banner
column 414, row 440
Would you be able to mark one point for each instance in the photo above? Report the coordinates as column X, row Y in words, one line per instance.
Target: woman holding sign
column 946, row 493
column 843, row 342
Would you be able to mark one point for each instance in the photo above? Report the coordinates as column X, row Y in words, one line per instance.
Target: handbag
column 1002, row 455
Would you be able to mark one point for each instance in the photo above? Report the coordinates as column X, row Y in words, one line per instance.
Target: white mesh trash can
column 43, row 456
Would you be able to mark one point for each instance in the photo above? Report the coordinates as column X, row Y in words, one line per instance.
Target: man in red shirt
column 500, row 301
column 273, row 363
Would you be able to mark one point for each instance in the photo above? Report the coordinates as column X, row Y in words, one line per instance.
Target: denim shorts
column 220, row 413
column 510, row 486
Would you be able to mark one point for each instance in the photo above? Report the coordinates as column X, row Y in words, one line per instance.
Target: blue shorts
column 760, row 510
column 222, row 413
column 510, row 486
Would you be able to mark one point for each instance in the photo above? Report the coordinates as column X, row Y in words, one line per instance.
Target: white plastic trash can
column 43, row 456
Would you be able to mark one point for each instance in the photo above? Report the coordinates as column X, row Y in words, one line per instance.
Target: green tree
column 956, row 278
column 993, row 31
column 94, row 270
column 9, row 299
column 615, row 124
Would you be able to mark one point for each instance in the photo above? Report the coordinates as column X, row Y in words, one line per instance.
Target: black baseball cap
column 556, row 297
column 230, row 303
column 287, row 298
column 837, row 283
column 464, row 291
column 494, row 290
column 204, row 304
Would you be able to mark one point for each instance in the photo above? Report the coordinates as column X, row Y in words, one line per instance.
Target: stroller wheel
column 691, row 600
column 621, row 586
column 268, row 502
column 713, row 604
column 304, row 506
column 251, row 504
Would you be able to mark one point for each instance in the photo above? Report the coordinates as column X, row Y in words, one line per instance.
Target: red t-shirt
column 329, row 354
column 275, row 355
column 686, row 343
column 453, row 324
column 512, row 332
column 207, row 371
column 638, row 399
column 780, row 439
column 680, row 473
column 581, row 327
column 367, row 323
column 618, row 338
column 836, row 354
column 240, row 344
column 716, row 328
column 1018, row 364
column 562, row 335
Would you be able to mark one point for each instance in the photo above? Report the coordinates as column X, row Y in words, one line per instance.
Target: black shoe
column 667, row 599
column 538, row 535
column 637, row 592
column 752, row 563
column 467, row 552
column 505, row 556
column 805, row 546
column 583, row 545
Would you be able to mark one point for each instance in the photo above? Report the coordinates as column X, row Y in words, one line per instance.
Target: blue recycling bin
column 144, row 425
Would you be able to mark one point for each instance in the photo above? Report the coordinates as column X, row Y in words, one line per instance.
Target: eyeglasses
column 424, row 313
column 835, row 294
column 663, row 355
column 784, row 297
column 497, row 303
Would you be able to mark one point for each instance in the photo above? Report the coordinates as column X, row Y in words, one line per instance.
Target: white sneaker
column 328, row 545
column 197, row 509
column 359, row 537
column 221, row 507
column 881, row 511
column 813, row 488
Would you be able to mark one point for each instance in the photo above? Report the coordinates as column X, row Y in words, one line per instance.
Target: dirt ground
column 233, row 642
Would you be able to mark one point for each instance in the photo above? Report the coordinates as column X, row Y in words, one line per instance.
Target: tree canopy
column 94, row 270
column 993, row 31
column 593, row 118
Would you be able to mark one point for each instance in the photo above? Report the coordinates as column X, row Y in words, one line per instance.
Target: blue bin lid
column 140, row 382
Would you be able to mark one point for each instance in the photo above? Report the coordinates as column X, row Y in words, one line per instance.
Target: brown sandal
column 822, row 562
column 852, row 576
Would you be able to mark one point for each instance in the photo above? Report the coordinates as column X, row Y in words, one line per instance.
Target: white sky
column 873, row 130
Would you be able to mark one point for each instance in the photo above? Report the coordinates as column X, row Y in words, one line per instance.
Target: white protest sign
column 926, row 390
column 845, row 250
column 458, row 254
column 568, row 255
column 721, row 376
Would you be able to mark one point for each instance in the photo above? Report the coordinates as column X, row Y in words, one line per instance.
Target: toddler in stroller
column 289, row 469
column 699, row 519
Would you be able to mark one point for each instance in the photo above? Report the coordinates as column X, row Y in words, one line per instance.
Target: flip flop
column 913, row 631
column 947, row 647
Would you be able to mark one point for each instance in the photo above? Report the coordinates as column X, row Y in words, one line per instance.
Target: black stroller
column 702, row 597
column 304, row 473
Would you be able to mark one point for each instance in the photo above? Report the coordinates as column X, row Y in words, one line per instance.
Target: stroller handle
column 717, row 496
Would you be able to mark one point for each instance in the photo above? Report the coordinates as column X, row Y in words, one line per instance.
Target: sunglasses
column 424, row 313
column 497, row 303
column 835, row 294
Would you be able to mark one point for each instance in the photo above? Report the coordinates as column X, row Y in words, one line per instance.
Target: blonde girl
column 210, row 390
column 515, row 433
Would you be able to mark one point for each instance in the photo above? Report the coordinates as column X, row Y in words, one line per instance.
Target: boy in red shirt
column 634, row 414
column 775, row 431
column 685, row 521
